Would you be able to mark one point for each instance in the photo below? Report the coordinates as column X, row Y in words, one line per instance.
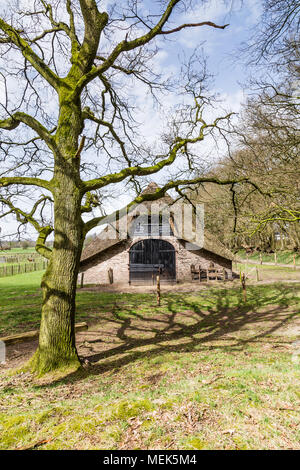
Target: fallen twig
column 219, row 376
column 34, row 446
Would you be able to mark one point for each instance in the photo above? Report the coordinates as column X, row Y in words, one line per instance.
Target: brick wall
column 117, row 258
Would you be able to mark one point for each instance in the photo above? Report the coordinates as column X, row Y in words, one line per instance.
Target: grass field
column 17, row 251
column 20, row 299
column 202, row 371
column 283, row 257
column 267, row 272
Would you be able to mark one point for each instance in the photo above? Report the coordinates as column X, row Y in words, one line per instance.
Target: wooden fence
column 22, row 268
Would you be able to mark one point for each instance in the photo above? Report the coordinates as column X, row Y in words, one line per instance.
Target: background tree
column 265, row 143
column 269, row 126
column 69, row 130
column 276, row 33
column 25, row 244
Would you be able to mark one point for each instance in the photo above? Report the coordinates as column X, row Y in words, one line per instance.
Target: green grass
column 202, row 371
column 266, row 272
column 20, row 301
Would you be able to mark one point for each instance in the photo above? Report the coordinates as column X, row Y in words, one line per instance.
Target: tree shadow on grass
column 188, row 323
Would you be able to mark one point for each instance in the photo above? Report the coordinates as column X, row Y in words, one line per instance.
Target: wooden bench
column 206, row 274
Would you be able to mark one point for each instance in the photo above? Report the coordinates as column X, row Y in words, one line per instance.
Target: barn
column 152, row 245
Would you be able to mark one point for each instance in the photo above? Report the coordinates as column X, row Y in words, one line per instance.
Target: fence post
column 294, row 261
column 257, row 275
column 243, row 281
column 275, row 257
column 81, row 281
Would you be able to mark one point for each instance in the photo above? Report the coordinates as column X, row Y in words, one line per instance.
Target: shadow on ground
column 181, row 324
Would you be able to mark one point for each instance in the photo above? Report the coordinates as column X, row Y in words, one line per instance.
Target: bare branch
column 194, row 25
column 125, row 46
column 29, row 54
column 25, row 181
column 160, row 192
column 13, row 122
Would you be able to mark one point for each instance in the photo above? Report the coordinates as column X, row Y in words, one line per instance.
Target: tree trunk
column 57, row 347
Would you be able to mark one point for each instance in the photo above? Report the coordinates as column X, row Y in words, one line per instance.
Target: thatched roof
column 110, row 235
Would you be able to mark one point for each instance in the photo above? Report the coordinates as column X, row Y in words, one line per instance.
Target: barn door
column 149, row 257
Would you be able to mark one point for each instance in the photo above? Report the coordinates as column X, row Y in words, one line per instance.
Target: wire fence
column 22, row 268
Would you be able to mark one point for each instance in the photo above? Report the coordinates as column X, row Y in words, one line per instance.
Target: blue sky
column 220, row 46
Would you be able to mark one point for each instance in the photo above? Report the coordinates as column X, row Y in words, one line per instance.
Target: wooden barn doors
column 150, row 257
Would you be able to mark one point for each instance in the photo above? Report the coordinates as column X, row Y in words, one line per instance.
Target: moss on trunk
column 57, row 347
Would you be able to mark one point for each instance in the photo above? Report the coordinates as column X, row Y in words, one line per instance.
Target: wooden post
column 207, row 275
column 199, row 274
column 260, row 258
column 243, row 280
column 294, row 261
column 110, row 275
column 257, row 275
column 275, row 257
column 158, row 289
column 81, row 280
column 224, row 274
